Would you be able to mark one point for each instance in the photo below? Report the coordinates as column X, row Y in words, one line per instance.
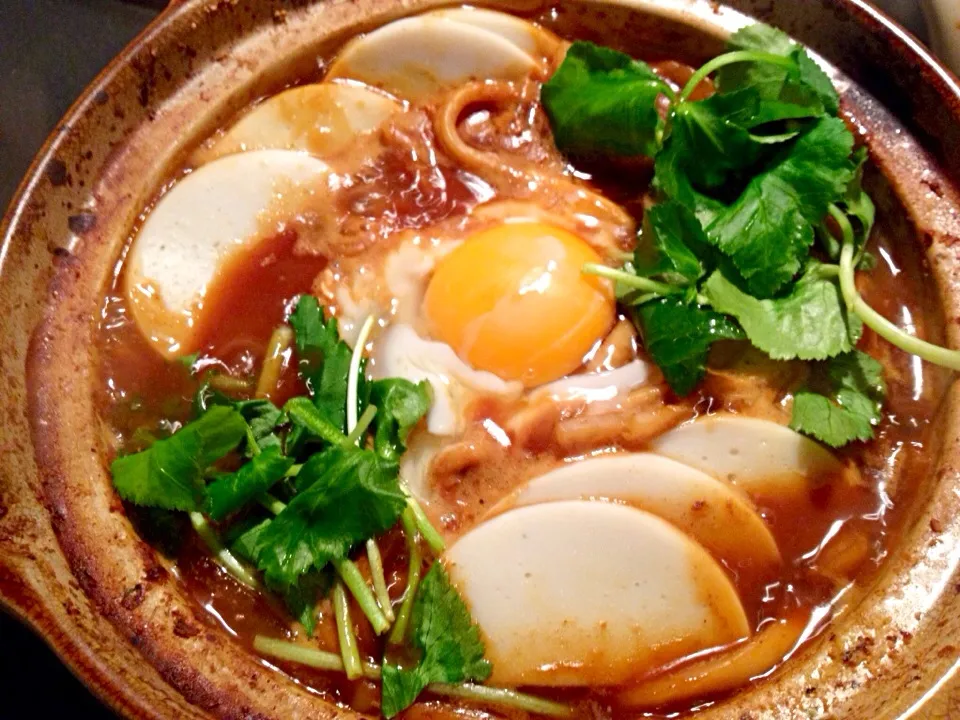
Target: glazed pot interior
column 125, row 624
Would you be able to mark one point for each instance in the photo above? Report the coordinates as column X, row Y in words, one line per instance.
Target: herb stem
column 629, row 279
column 412, row 536
column 379, row 579
column 848, row 287
column 331, row 662
column 623, row 277
column 432, row 536
column 226, row 559
column 828, row 271
column 228, row 383
column 305, row 412
column 730, row 58
column 504, row 698
column 352, row 577
column 271, row 504
column 279, row 344
column 361, row 426
column 349, row 651
column 353, row 379
column 319, row 659
column 880, row 325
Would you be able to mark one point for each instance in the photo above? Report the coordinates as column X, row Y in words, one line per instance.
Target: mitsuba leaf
column 768, row 230
column 678, row 335
column 672, row 246
column 400, row 405
column 324, row 359
column 232, row 491
column 842, row 401
column 300, row 598
column 714, row 137
column 170, row 473
column 263, row 417
column 810, row 322
column 446, row 640
column 602, row 101
column 800, row 83
column 345, row 496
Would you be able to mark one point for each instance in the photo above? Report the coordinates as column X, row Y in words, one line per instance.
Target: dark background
column 49, row 51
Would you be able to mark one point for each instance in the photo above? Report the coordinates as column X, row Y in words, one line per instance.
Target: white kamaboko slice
column 208, row 215
column 724, row 671
column 400, row 352
column 320, row 119
column 415, row 57
column 759, row 456
column 587, row 593
column 526, row 36
column 705, row 508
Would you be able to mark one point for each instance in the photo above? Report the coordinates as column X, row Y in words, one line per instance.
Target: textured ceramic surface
column 71, row 565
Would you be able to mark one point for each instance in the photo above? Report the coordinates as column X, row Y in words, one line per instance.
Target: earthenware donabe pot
column 71, row 565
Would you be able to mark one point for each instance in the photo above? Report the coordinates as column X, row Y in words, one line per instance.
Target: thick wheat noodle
column 489, row 165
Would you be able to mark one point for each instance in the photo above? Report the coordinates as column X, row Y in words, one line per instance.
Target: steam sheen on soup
column 490, row 375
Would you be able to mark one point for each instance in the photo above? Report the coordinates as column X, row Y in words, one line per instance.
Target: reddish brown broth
column 142, row 390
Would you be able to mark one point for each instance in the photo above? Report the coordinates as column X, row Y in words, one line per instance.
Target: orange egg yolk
column 513, row 300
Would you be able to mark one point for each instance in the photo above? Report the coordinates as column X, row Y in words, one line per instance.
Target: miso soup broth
column 499, row 374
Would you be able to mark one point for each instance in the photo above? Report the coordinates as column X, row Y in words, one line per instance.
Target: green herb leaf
column 263, row 417
column 842, row 401
column 446, row 639
column 324, row 359
column 714, row 137
column 170, row 473
column 810, row 322
column 231, row 492
column 670, row 178
column 400, row 405
column 803, row 84
column 300, row 598
column 678, row 336
column 671, row 245
column 345, row 496
column 768, row 230
column 603, row 101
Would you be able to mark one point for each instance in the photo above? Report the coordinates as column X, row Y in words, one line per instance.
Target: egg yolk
column 513, row 300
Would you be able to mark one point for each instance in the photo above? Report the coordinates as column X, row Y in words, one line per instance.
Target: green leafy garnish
column 344, row 496
column 672, row 246
column 301, row 597
column 745, row 181
column 263, row 417
column 810, row 322
column 800, row 82
column 713, row 137
column 170, row 474
column 231, row 492
column 400, row 405
column 842, row 401
column 767, row 232
column 678, row 336
column 324, row 359
column 444, row 639
column 601, row 100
